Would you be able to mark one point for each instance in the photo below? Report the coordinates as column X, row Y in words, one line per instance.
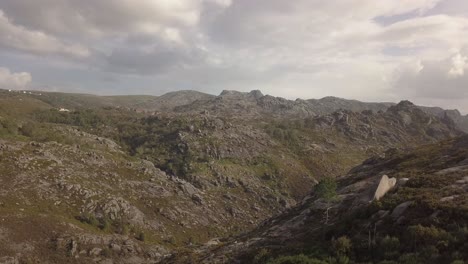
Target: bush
column 297, row 259
column 8, row 127
column 410, row 258
column 326, row 189
column 421, row 235
column 342, row 246
column 262, row 256
column 141, row 236
column 89, row 219
column 389, row 247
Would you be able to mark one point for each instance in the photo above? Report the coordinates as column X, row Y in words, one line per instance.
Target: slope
column 423, row 219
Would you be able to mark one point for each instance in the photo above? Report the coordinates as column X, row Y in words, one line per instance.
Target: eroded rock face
column 385, row 185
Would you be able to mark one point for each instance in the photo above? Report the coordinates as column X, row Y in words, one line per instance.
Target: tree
column 326, row 189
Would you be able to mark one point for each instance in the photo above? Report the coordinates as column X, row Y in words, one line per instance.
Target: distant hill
column 171, row 100
column 230, row 103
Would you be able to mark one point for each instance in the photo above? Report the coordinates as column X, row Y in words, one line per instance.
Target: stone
column 197, row 199
column 95, row 252
column 402, row 181
column 188, row 188
column 380, row 214
column 449, row 198
column 385, row 185
column 116, row 247
column 213, row 242
column 400, row 209
column 73, row 247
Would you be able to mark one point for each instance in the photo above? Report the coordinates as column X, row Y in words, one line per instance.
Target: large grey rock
column 385, row 185
column 400, row 209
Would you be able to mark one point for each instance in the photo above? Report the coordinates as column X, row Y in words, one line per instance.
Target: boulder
column 400, row 209
column 402, row 181
column 385, row 185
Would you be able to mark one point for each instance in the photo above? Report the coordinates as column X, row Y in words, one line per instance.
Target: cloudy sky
column 372, row 50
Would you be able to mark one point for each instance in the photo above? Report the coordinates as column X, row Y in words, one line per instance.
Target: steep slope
column 455, row 115
column 422, row 219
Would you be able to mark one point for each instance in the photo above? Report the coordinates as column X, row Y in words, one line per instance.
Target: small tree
column 326, row 189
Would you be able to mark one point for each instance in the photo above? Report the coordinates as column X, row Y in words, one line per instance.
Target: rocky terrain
column 232, row 104
column 140, row 179
column 404, row 207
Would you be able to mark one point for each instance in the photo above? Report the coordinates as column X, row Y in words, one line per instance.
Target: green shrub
column 389, row 247
column 326, row 189
column 141, row 236
column 342, row 246
column 262, row 256
column 422, row 235
column 409, row 258
column 8, row 127
column 297, row 259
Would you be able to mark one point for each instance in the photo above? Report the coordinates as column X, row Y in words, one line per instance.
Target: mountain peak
column 256, row 94
column 404, row 105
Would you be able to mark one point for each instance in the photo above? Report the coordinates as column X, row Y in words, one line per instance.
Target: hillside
column 422, row 219
column 109, row 182
column 228, row 104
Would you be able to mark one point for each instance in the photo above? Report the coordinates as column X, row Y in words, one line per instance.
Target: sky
column 370, row 50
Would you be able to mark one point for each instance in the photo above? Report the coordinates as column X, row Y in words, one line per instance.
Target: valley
column 185, row 176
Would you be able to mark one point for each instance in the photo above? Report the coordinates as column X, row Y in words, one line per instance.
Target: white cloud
column 20, row 38
column 436, row 79
column 459, row 63
column 10, row 80
column 90, row 18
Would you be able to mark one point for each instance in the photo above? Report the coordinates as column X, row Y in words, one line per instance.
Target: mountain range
column 188, row 177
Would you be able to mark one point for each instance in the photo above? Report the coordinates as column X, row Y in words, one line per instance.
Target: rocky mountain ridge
column 233, row 103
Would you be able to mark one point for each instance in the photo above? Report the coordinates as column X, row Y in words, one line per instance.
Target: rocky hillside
column 254, row 105
column 229, row 103
column 171, row 100
column 455, row 115
column 111, row 183
column 402, row 207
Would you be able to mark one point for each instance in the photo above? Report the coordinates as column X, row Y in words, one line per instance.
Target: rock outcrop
column 385, row 185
